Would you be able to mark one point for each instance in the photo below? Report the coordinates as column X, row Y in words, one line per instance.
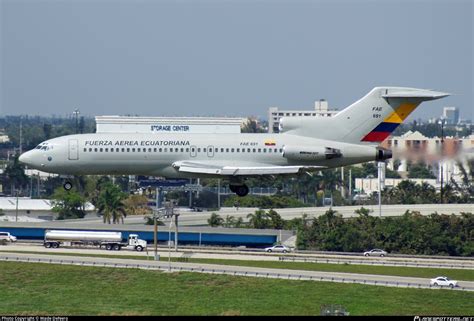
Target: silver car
column 6, row 237
column 375, row 252
column 277, row 248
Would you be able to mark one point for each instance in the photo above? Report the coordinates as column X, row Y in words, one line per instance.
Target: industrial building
column 135, row 124
column 321, row 109
column 23, row 209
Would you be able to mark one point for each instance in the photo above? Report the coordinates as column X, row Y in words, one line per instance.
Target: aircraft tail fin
column 370, row 119
column 379, row 113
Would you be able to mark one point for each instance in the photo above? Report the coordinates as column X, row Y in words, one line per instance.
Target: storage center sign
column 169, row 128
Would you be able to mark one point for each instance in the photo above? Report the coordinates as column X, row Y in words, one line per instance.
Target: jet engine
column 308, row 153
column 382, row 154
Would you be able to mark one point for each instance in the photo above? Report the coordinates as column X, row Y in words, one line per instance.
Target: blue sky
column 228, row 58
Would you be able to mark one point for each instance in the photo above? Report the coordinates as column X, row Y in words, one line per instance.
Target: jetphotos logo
column 434, row 318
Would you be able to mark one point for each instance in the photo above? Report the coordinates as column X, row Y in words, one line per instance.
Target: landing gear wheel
column 67, row 186
column 241, row 190
column 232, row 188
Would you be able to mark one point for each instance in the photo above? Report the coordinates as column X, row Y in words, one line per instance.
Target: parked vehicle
column 109, row 240
column 6, row 237
column 277, row 248
column 443, row 281
column 375, row 252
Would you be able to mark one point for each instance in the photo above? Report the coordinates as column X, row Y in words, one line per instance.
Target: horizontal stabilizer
column 419, row 93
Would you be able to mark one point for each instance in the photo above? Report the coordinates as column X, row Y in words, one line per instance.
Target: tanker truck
column 108, row 240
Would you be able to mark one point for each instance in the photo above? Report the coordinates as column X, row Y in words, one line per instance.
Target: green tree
column 258, row 219
column 229, row 221
column 252, row 126
column 420, row 171
column 215, row 220
column 136, row 205
column 276, row 221
column 110, row 203
column 14, row 174
column 68, row 204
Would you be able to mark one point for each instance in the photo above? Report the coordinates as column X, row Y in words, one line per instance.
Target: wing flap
column 255, row 170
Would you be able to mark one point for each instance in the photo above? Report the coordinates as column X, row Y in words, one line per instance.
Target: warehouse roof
column 26, row 203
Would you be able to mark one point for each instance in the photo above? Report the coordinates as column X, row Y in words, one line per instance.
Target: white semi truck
column 109, row 240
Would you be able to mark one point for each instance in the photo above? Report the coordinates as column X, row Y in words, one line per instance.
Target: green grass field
column 34, row 288
column 429, row 273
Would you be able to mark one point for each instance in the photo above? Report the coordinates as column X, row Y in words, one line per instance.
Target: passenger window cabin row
column 180, row 150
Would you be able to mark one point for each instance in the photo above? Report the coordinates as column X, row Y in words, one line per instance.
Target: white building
column 321, row 109
column 371, row 185
column 444, row 156
column 128, row 124
column 30, row 210
column 4, row 138
column 451, row 114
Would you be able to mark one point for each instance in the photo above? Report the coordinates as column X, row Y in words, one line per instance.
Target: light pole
column 381, row 179
column 155, row 235
column 169, row 245
column 442, row 122
column 16, row 210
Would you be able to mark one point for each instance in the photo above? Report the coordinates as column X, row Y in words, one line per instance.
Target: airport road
column 187, row 218
column 255, row 256
column 380, row 280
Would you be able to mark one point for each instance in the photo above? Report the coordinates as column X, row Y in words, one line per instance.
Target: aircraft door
column 73, row 149
column 192, row 150
column 210, row 151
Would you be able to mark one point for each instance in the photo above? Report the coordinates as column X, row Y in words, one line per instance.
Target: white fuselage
column 154, row 154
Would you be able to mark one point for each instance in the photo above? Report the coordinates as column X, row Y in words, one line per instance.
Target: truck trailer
column 108, row 240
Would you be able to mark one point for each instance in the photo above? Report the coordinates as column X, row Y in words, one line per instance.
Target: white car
column 443, row 281
column 277, row 248
column 375, row 252
column 6, row 237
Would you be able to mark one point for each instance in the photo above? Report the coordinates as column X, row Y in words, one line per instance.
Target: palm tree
column 110, row 203
column 258, row 220
column 229, row 221
column 215, row 220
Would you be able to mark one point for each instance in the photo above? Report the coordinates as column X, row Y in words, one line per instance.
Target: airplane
column 304, row 145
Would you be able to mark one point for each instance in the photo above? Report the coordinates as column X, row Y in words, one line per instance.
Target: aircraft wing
column 253, row 169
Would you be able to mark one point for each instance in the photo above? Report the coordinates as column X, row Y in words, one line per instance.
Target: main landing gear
column 240, row 190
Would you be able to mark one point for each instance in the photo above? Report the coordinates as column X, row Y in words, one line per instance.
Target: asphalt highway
column 380, row 280
column 255, row 256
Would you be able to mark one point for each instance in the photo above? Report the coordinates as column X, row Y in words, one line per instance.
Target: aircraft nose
column 25, row 158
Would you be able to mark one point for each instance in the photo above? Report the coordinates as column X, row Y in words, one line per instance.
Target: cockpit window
column 44, row 146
